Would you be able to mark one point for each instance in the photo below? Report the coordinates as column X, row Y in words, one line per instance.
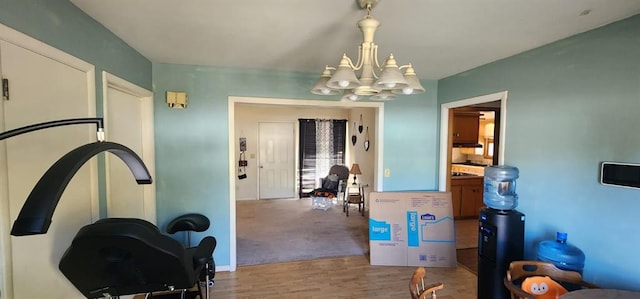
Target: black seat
column 125, row 256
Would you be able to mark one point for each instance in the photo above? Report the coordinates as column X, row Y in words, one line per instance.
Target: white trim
column 289, row 102
column 223, row 269
column 148, row 150
column 24, row 41
column 444, row 129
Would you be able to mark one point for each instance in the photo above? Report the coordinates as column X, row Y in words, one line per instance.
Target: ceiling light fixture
column 384, row 87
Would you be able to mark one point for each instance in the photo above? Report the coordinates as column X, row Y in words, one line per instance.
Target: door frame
column 147, row 139
column 29, row 43
column 445, row 141
column 232, row 101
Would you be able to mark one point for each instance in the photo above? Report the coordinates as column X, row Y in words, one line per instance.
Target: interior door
column 128, row 121
column 44, row 89
column 276, row 160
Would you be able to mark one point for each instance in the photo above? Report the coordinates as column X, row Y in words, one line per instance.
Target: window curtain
column 322, row 145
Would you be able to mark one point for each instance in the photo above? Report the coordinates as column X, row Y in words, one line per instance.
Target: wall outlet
column 387, row 172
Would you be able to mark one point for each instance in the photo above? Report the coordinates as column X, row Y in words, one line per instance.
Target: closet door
column 44, row 89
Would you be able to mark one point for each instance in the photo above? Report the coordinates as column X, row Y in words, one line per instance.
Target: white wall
column 357, row 153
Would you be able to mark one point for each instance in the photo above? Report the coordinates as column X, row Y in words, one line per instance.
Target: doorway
column 466, row 230
column 445, row 141
column 238, row 189
column 128, row 114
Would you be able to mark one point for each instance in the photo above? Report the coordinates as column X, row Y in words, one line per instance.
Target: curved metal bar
column 36, row 213
column 50, row 124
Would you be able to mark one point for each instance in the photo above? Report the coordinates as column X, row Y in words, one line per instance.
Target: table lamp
column 355, row 170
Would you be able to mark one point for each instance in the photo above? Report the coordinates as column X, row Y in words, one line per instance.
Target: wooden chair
column 519, row 270
column 417, row 288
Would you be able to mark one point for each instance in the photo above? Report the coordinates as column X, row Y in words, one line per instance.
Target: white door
column 129, row 121
column 276, row 160
column 44, row 89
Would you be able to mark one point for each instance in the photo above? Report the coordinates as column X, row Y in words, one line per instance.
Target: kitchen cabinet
column 467, row 196
column 466, row 127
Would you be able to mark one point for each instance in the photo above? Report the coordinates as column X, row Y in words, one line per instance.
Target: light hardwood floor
column 345, row 277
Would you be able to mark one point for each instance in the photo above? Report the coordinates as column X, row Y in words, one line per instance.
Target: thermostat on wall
column 620, row 174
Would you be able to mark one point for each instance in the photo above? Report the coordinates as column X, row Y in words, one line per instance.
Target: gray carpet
column 278, row 230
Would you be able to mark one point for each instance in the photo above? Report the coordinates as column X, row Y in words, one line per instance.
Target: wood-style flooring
column 345, row 277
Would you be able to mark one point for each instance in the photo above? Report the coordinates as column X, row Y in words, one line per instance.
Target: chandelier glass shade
column 382, row 87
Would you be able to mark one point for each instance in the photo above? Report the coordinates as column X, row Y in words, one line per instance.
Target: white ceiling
column 439, row 37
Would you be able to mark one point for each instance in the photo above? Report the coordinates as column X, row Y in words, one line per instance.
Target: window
column 488, row 148
column 322, row 145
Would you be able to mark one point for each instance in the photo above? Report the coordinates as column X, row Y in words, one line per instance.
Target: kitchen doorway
column 445, row 131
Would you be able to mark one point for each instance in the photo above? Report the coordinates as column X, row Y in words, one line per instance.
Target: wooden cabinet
column 456, row 199
column 466, row 126
column 467, row 196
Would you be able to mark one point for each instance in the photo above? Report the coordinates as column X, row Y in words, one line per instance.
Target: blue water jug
column 500, row 187
column 562, row 254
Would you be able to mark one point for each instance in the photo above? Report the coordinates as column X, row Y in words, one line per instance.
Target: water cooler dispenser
column 500, row 241
column 500, row 232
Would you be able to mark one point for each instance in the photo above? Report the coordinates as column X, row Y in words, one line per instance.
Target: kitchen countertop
column 466, row 176
column 467, row 169
column 469, row 164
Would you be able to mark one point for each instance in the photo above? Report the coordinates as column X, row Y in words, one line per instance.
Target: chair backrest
column 122, row 256
column 188, row 222
column 341, row 170
column 418, row 289
column 519, row 270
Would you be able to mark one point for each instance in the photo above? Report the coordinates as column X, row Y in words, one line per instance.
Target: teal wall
column 192, row 150
column 62, row 25
column 571, row 105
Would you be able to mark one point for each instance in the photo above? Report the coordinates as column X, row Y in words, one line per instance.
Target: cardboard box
column 411, row 229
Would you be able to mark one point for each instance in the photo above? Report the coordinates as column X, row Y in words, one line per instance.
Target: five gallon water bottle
column 562, row 254
column 500, row 187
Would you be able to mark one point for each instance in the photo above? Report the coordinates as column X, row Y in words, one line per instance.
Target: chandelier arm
column 375, row 60
column 360, row 60
column 351, row 62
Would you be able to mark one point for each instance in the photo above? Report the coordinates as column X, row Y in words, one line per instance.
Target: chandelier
column 382, row 87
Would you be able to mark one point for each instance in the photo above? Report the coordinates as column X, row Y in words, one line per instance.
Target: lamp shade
column 349, row 96
column 355, row 169
column 391, row 76
column 321, row 87
column 413, row 83
column 384, row 95
column 344, row 77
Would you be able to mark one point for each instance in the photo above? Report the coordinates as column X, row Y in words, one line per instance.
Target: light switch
column 387, row 172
